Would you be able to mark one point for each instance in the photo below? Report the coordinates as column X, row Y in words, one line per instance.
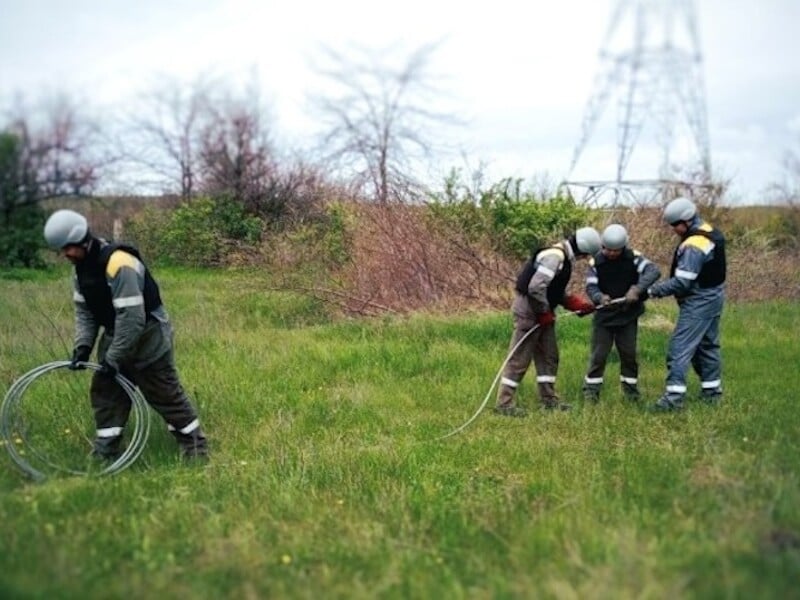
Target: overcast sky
column 518, row 72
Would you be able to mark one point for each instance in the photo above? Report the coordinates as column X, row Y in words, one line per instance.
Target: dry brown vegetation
column 402, row 261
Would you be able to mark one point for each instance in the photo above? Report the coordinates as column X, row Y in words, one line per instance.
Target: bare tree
column 236, row 157
column 163, row 134
column 47, row 150
column 379, row 122
column 786, row 195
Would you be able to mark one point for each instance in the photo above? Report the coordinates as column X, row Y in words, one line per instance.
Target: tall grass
column 325, row 480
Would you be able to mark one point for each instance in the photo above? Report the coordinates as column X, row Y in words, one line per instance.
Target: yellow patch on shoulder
column 120, row 259
column 699, row 241
column 556, row 251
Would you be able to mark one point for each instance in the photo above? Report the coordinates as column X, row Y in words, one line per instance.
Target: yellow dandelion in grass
column 243, row 463
column 286, row 559
column 340, row 502
column 18, row 440
column 67, row 430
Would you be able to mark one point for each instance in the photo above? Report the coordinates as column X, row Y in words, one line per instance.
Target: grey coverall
column 619, row 323
column 696, row 337
column 140, row 347
column 540, row 346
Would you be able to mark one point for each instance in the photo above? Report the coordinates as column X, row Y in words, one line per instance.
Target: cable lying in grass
column 13, row 429
column 463, row 426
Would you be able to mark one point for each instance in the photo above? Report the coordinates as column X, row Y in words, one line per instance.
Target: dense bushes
column 21, row 237
column 511, row 219
column 197, row 233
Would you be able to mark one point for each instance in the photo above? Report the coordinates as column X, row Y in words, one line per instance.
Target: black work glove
column 107, row 369
column 79, row 355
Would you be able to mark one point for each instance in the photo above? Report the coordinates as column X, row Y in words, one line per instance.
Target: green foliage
column 514, row 220
column 21, row 240
column 783, row 229
column 337, row 236
column 197, row 233
column 21, row 220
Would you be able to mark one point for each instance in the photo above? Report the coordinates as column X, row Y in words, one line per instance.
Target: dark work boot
column 107, row 448
column 554, row 404
column 630, row 392
column 510, row 411
column 591, row 393
column 193, row 445
column 665, row 405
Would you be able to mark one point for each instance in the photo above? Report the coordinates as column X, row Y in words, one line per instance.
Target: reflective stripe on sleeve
column 78, row 297
column 685, row 274
column 545, row 271
column 129, row 301
column 592, row 280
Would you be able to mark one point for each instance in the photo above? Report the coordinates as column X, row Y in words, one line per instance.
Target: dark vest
column 615, row 277
column 557, row 287
column 93, row 285
column 713, row 272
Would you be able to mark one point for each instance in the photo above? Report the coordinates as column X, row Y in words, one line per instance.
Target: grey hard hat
column 680, row 209
column 587, row 240
column 65, row 227
column 615, row 237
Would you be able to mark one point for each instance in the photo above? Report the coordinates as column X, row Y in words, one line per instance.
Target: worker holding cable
column 115, row 291
column 697, row 281
column 616, row 278
column 541, row 287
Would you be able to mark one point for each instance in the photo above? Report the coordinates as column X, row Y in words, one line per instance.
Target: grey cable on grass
column 503, row 366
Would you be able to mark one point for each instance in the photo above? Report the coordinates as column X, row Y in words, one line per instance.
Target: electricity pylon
column 650, row 61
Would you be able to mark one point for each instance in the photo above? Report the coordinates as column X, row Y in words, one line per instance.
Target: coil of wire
column 32, row 445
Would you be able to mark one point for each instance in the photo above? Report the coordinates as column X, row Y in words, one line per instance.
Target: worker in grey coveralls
column 540, row 287
column 616, row 272
column 114, row 290
column 697, row 280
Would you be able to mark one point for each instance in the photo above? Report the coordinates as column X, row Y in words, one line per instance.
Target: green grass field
column 326, row 480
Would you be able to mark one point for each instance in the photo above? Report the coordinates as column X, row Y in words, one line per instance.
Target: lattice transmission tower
column 650, row 62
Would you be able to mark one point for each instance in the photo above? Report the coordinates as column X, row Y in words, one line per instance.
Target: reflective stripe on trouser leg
column 506, row 392
column 707, row 361
column 162, row 388
column 601, row 342
column 547, row 387
column 516, row 366
column 545, row 356
column 626, row 340
column 110, row 404
column 683, row 343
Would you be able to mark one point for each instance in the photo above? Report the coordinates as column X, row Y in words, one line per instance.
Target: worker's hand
column 578, row 304
column 632, row 295
column 546, row 318
column 604, row 299
column 107, row 369
column 80, row 355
